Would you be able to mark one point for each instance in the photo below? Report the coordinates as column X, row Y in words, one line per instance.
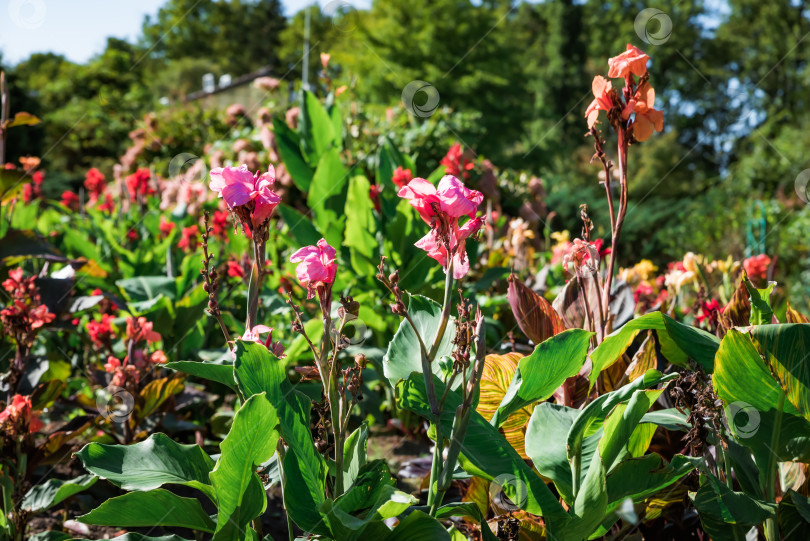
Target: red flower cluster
column 235, row 270
column 101, row 332
column 757, row 266
column 710, row 310
column 107, row 206
column 219, row 223
column 33, row 190
column 70, row 200
column 456, row 163
column 166, row 227
column 18, row 417
column 25, row 315
column 94, row 183
column 188, row 239
column 402, row 177
column 138, row 183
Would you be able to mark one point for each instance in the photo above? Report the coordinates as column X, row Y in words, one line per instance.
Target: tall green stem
column 436, row 464
column 771, row 474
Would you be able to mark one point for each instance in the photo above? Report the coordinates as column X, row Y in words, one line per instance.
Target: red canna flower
column 456, row 164
column 402, row 177
column 94, row 183
column 138, row 184
column 19, row 415
column 166, row 226
column 235, row 270
column 757, row 266
column 189, row 238
column 70, row 200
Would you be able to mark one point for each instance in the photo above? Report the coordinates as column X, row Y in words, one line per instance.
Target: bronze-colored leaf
column 571, row 306
column 794, row 316
column 478, row 493
column 495, row 379
column 644, row 359
column 535, row 316
column 156, row 393
column 737, row 312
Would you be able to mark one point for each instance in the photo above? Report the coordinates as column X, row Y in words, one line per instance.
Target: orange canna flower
column 633, row 60
column 647, row 119
column 602, row 99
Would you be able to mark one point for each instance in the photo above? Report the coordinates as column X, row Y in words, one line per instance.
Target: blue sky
column 79, row 29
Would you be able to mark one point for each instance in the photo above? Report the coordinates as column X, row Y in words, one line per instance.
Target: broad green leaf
column 640, row 478
column 466, row 509
column 251, row 442
column 594, row 414
column 300, row 226
column 679, row 342
column 372, row 498
column 794, row 516
column 355, row 453
column 722, row 509
column 403, row 356
column 152, row 508
column 144, row 288
column 620, row 424
column 214, row 371
column 752, row 397
column 541, row 373
column 760, row 299
column 327, row 197
column 317, row 129
column 361, row 226
column 419, row 525
column 786, row 349
column 590, row 502
column 258, row 371
column 152, row 463
column 290, row 151
column 54, row 491
column 487, row 454
column 546, row 436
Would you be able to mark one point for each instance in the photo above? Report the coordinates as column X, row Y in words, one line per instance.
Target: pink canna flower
column 254, row 335
column 633, row 60
column 316, row 266
column 436, row 249
column 248, row 194
column 451, row 197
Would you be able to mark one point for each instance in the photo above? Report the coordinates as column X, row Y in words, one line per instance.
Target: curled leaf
column 535, row 316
